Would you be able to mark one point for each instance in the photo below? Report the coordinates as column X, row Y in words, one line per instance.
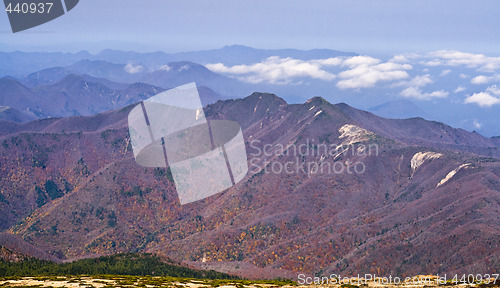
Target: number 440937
column 475, row 279
column 31, row 8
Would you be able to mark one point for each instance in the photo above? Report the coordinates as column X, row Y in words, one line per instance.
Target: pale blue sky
column 367, row 26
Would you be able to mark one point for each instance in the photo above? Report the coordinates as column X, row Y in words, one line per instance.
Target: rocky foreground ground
column 106, row 281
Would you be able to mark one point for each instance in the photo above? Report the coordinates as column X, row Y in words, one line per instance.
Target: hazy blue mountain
column 76, row 95
column 16, row 95
column 178, row 73
column 496, row 140
column 102, row 71
column 398, row 109
column 105, row 69
column 14, row 115
column 20, row 64
column 455, row 84
column 229, row 55
column 46, row 76
column 168, row 75
column 87, row 95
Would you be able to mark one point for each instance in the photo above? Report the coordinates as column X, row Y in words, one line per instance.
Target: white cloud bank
column 457, row 58
column 416, row 93
column 366, row 71
column 487, row 98
column 361, row 71
column 413, row 88
column 276, row 70
column 481, row 79
column 483, row 99
column 493, row 90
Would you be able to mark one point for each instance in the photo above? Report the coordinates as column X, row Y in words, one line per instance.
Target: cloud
column 165, row 68
column 133, row 69
column 400, row 59
column 360, row 61
column 413, row 88
column 365, row 77
column 415, row 92
column 458, row 58
column 435, row 62
column 366, row 71
column 337, row 61
column 445, row 72
column 477, row 124
column 361, row 71
column 493, row 90
column 276, row 70
column 421, row 80
column 404, row 58
column 460, row 89
column 417, row 81
column 481, row 79
column 483, row 99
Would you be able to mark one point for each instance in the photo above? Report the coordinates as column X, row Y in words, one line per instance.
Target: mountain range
column 60, row 93
column 19, row 64
column 434, row 86
column 405, row 197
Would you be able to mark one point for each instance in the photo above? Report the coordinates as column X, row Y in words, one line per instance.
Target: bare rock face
column 419, row 158
column 452, row 173
column 351, row 134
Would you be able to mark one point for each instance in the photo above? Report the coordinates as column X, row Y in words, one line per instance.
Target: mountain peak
column 180, row 66
column 398, row 109
column 9, row 79
column 317, row 101
column 88, row 61
column 237, row 46
column 344, row 106
column 72, row 77
column 265, row 97
column 10, row 114
column 9, row 84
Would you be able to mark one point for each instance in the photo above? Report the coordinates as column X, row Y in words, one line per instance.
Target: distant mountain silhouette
column 11, row 114
column 229, row 55
column 77, row 94
column 174, row 74
column 16, row 95
column 20, row 64
column 398, row 109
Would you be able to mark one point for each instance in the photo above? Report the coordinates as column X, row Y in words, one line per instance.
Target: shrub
column 52, row 190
